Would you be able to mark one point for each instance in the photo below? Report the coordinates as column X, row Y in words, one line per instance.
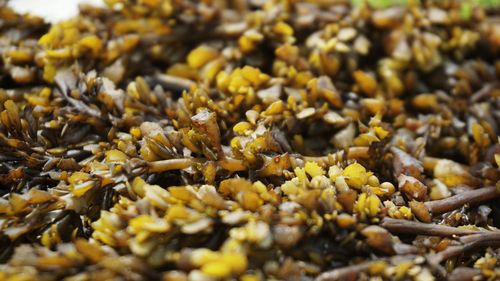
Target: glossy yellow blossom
column 355, row 175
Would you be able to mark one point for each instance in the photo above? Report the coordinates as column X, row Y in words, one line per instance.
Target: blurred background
column 52, row 10
column 56, row 10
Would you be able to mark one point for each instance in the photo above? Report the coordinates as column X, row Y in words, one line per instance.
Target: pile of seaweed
column 250, row 140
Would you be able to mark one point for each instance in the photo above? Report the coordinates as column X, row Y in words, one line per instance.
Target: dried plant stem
column 360, row 152
column 487, row 236
column 229, row 164
column 351, row 272
column 419, row 228
column 484, row 92
column 468, row 197
column 235, row 165
column 172, row 164
column 430, row 162
column 477, row 243
column 173, row 82
column 345, row 273
column 470, row 243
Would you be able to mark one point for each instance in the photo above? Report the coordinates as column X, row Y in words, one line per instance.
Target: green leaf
column 465, row 10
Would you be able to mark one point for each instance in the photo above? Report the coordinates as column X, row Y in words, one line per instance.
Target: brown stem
column 174, row 82
column 231, row 29
column 485, row 236
column 235, row 165
column 351, row 272
column 484, row 92
column 470, row 243
column 468, row 197
column 418, row 228
column 172, row 164
column 353, row 153
column 345, row 273
column 358, row 152
column 430, row 162
column 435, row 259
column 464, row 274
column 229, row 164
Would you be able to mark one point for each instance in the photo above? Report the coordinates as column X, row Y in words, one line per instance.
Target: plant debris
column 250, row 140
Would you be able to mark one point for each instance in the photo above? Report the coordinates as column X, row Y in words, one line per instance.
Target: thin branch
column 233, row 30
column 464, row 274
column 172, row 164
column 173, row 82
column 486, row 236
column 235, row 165
column 484, row 92
column 345, row 273
column 360, row 152
column 351, row 272
column 430, row 162
column 419, row 228
column 451, row 251
column 229, row 164
column 475, row 196
column 470, row 243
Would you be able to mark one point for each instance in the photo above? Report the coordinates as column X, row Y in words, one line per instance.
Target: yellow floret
column 136, row 132
column 259, row 187
column 93, row 43
column 301, row 174
column 355, row 175
column 380, row 132
column 246, row 44
column 217, row 269
column 313, row 169
column 237, row 262
column 201, row 55
column 274, row 108
column 241, row 127
column 289, row 188
column 374, row 205
column 203, row 256
column 115, row 155
column 283, row 29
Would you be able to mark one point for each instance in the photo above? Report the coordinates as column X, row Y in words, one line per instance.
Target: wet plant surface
column 250, row 140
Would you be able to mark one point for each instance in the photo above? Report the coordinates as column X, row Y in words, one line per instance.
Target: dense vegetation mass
column 251, row 140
